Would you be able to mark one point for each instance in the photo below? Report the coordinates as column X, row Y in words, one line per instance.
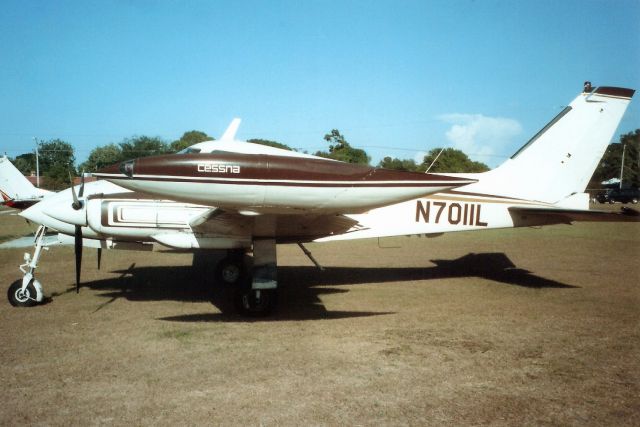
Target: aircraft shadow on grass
column 302, row 286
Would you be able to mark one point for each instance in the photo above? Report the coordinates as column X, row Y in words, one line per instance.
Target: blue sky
column 396, row 78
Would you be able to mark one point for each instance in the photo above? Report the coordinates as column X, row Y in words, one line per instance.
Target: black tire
column 255, row 303
column 17, row 298
column 229, row 271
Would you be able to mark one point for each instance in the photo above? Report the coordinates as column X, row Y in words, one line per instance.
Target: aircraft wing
column 288, row 228
column 567, row 216
column 217, row 227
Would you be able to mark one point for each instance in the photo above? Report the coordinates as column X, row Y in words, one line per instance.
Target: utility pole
column 624, row 147
column 37, row 164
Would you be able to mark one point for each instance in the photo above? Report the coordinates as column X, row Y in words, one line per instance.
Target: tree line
column 57, row 159
column 611, row 162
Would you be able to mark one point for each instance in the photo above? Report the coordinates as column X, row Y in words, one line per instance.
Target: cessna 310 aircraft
column 237, row 197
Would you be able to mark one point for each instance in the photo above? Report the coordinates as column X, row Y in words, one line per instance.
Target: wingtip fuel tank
column 274, row 183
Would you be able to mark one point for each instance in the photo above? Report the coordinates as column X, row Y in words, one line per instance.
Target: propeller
column 78, row 252
column 77, row 205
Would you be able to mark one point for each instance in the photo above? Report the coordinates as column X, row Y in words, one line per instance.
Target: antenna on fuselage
column 434, row 161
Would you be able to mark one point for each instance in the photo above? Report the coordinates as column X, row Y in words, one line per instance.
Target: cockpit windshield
column 189, row 150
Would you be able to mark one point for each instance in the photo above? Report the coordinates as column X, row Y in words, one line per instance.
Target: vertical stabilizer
column 14, row 185
column 559, row 161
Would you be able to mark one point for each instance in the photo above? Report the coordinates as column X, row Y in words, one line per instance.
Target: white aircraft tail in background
column 15, row 189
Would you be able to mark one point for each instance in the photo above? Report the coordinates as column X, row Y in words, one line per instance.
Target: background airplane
column 16, row 191
column 237, row 197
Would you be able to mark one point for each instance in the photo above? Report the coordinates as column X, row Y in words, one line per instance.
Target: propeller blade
column 81, row 192
column 99, row 257
column 76, row 203
column 78, row 253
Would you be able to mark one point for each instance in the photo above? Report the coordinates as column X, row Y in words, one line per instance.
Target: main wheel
column 255, row 302
column 229, row 271
column 18, row 297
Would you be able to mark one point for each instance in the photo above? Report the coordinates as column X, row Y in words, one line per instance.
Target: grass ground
column 514, row 327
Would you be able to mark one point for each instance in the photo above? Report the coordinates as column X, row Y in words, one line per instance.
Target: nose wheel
column 19, row 297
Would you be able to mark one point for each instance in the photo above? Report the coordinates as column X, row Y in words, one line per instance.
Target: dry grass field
column 512, row 327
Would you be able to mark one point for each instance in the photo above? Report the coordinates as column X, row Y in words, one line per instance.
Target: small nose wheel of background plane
column 27, row 292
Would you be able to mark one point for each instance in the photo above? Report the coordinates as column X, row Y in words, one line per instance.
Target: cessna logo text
column 218, row 168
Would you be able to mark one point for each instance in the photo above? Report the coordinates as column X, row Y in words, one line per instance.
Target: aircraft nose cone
column 34, row 214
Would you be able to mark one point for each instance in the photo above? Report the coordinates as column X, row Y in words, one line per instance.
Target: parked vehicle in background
column 624, row 195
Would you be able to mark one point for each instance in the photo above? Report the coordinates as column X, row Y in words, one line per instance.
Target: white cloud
column 482, row 138
column 419, row 157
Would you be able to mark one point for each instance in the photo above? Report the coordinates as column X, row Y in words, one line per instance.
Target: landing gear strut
column 27, row 291
column 253, row 283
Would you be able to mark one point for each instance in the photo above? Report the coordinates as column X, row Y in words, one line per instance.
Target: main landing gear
column 257, row 296
column 253, row 281
column 250, row 282
column 27, row 292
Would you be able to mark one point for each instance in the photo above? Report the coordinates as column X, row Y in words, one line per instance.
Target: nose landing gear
column 27, row 292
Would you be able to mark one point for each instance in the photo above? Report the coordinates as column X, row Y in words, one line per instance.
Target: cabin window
column 189, row 150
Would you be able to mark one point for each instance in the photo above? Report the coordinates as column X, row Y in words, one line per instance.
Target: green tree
column 609, row 166
column 25, row 163
column 188, row 139
column 339, row 149
column 270, row 144
column 102, row 156
column 451, row 160
column 398, row 164
column 142, row 146
column 56, row 160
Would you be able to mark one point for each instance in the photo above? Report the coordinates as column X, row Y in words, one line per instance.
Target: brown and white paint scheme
column 274, row 184
column 311, row 199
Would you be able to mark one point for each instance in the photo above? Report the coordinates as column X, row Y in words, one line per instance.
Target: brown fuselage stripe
column 479, row 197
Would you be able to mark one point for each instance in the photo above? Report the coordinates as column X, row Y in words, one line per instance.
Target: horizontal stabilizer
column 567, row 216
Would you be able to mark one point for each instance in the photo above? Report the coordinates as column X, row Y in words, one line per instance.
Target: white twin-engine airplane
column 237, row 197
